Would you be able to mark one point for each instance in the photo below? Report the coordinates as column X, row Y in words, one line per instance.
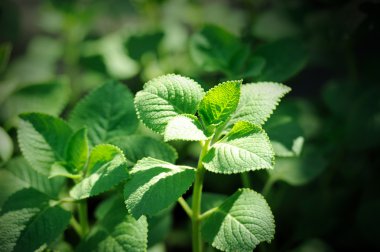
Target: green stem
column 76, row 226
column 268, row 185
column 83, row 217
column 206, row 214
column 246, row 180
column 185, row 207
column 196, row 204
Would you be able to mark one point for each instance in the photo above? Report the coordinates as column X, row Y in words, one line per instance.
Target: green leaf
column 285, row 134
column 257, row 102
column 21, row 175
column 138, row 45
column 284, row 59
column 43, row 140
column 240, row 223
column 298, row 171
column 28, row 222
column 77, row 150
column 166, row 97
column 107, row 112
column 154, row 185
column 186, row 128
column 47, row 97
column 159, row 227
column 117, row 230
column 220, row 102
column 245, row 148
column 214, row 49
column 106, row 168
column 6, row 147
column 136, row 147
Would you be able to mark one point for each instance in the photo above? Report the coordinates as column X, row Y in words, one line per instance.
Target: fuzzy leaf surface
column 154, row 185
column 106, row 112
column 27, row 221
column 220, row 102
column 245, row 148
column 106, row 168
column 136, row 147
column 19, row 172
column 43, row 140
column 166, row 97
column 77, row 150
column 186, row 128
column 240, row 223
column 258, row 101
column 117, row 231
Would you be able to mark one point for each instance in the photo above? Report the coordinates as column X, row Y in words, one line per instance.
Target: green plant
column 98, row 149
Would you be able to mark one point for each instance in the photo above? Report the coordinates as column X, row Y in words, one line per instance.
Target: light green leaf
column 240, row 223
column 28, row 222
column 48, row 97
column 284, row 59
column 117, row 231
column 186, row 128
column 166, row 97
column 107, row 112
column 6, row 146
column 298, row 171
column 220, row 102
column 77, row 150
column 106, row 168
column 42, row 140
column 19, row 174
column 257, row 102
column 285, row 134
column 154, row 185
column 136, row 147
column 245, row 148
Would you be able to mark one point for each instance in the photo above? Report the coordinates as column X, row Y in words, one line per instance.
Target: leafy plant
column 97, row 149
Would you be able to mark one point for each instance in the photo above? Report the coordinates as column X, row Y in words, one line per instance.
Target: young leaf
column 117, row 230
column 27, row 221
column 20, row 172
column 298, row 171
column 107, row 112
column 154, row 185
column 186, row 128
column 106, row 168
column 77, row 150
column 136, row 147
column 220, row 102
column 6, row 147
column 284, row 59
column 166, row 97
column 257, row 102
column 245, row 148
column 240, row 223
column 47, row 97
column 43, row 140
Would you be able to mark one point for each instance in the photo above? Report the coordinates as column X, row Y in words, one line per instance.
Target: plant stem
column 268, row 185
column 83, row 217
column 185, row 207
column 76, row 226
column 206, row 214
column 196, row 204
column 246, row 180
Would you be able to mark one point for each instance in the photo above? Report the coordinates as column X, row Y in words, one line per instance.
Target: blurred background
column 324, row 190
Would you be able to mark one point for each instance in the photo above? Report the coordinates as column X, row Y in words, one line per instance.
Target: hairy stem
column 246, row 180
column 185, row 207
column 196, row 204
column 83, row 217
